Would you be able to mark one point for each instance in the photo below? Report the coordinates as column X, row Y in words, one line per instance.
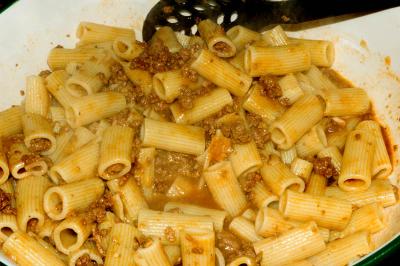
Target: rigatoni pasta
column 254, row 150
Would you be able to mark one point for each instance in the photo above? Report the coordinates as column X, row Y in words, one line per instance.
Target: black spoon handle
column 254, row 14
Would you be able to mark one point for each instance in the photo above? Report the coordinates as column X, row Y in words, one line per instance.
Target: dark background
column 393, row 259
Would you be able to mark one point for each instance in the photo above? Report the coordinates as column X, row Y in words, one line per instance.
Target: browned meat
column 39, row 145
column 97, row 211
column 5, row 203
column 323, row 166
column 32, row 225
column 169, row 233
column 222, row 47
column 270, row 87
column 332, row 127
column 250, row 181
column 236, row 131
column 187, row 96
column 157, row 58
column 233, row 247
column 170, row 165
column 258, row 130
column 97, row 237
column 85, row 260
column 189, row 73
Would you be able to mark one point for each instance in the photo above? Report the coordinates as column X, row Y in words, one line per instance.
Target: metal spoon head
column 183, row 15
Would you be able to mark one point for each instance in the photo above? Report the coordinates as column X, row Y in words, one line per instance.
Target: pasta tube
column 380, row 191
column 325, row 211
column 23, row 164
column 245, row 158
column 261, row 196
column 263, row 106
column 144, row 170
column 36, row 97
column 122, row 245
column 221, row 73
column 25, row 250
column 301, row 168
column 217, row 216
column 312, row 142
column 342, row 251
column 115, row 152
column 29, row 202
column 90, row 108
column 241, row 36
column 55, row 84
column 71, row 233
column 381, row 164
column 8, row 225
column 168, row 226
column 197, row 247
column 322, row 52
column 59, row 58
column 59, row 201
column 225, row 188
column 370, row 218
column 278, row 177
column 4, row 169
column 81, row 164
column 294, row 245
column 348, row 101
column 279, row 60
column 270, row 222
column 357, row 161
column 216, row 40
column 173, row 137
column 244, row 229
column 88, row 249
column 168, row 37
column 126, row 48
column 10, row 121
column 296, row 121
column 316, row 185
column 131, row 197
column 152, row 253
column 203, row 107
column 38, row 134
column 88, row 32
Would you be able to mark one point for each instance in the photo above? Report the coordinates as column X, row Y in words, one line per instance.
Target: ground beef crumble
column 323, row 166
column 258, row 129
column 5, row 203
column 250, row 181
column 270, row 87
column 97, row 237
column 39, row 145
column 97, row 211
column 233, row 247
column 85, row 260
column 157, row 58
column 170, row 165
column 187, row 96
column 236, row 130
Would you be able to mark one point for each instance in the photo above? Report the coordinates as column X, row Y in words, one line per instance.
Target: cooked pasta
column 229, row 148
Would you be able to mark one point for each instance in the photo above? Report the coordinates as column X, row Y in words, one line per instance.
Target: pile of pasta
column 70, row 154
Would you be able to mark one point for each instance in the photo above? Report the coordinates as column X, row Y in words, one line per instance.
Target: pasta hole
column 122, row 47
column 294, row 187
column 7, row 231
column 35, row 168
column 1, row 172
column 274, row 205
column 159, row 88
column 55, row 203
column 21, row 171
column 115, row 169
column 352, row 182
column 77, row 90
column 277, row 136
column 68, row 237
